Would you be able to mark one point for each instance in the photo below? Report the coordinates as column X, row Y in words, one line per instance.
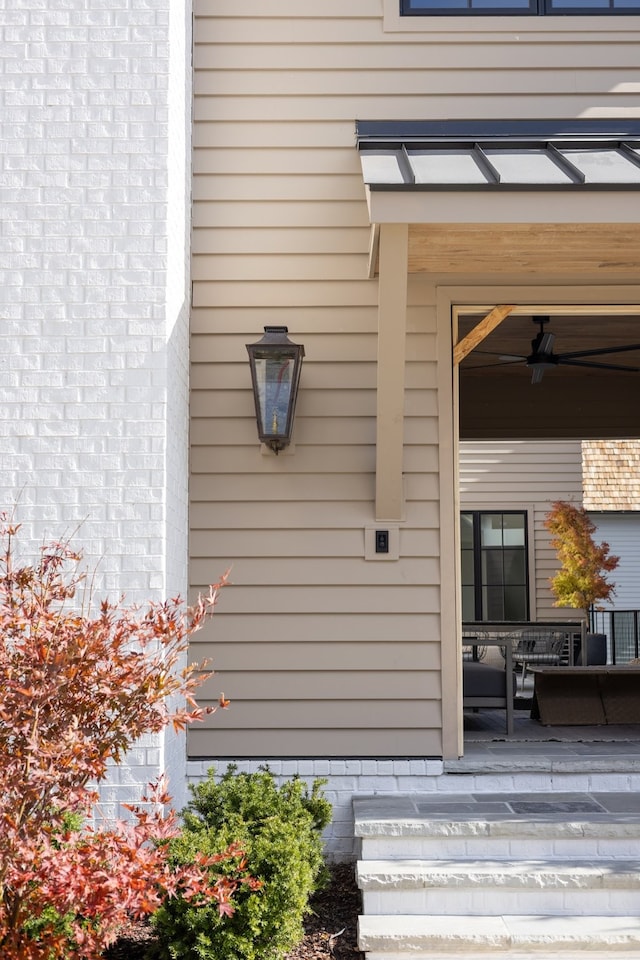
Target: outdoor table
column 572, row 696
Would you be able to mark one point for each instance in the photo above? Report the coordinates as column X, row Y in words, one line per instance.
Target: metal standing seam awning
column 517, row 171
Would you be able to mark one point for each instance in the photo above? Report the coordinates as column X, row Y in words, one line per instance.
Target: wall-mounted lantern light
column 275, row 374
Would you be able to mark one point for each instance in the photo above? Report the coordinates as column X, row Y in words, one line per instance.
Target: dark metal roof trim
column 509, row 155
column 394, row 130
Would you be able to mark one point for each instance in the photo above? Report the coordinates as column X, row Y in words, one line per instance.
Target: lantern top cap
column 276, row 336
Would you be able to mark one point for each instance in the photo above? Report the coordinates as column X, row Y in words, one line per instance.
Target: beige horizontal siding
column 322, row 652
column 250, row 515
column 345, row 411
column 343, row 598
column 206, row 462
column 340, row 640
column 222, row 320
column 269, row 28
column 278, row 187
column 277, row 713
column 321, row 486
column 356, row 457
column 296, row 266
column 296, row 293
column 324, row 685
column 381, row 741
column 218, row 161
column 278, row 241
column 343, row 654
column 428, row 80
column 227, row 213
column 319, row 571
column 313, row 30
column 352, row 396
column 255, row 9
column 416, row 53
column 524, row 475
column 266, row 134
column 309, row 542
column 322, row 585
column 436, row 106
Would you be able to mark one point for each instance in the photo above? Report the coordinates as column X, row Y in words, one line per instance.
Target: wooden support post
column 392, row 324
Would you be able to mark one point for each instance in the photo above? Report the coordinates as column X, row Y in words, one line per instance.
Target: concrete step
column 386, row 937
column 497, row 826
column 552, row 844
column 499, row 887
column 453, row 876
column 551, row 954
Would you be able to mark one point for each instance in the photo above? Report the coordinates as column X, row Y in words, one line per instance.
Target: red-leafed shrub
column 77, row 689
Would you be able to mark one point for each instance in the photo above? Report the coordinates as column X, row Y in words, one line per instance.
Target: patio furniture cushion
column 483, row 680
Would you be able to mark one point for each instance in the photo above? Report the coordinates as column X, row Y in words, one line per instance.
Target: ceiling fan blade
column 600, row 351
column 484, row 366
column 601, row 366
column 537, row 374
column 494, row 353
column 546, row 343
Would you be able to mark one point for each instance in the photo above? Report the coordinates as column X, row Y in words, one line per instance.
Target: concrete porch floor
column 533, row 746
column 550, row 755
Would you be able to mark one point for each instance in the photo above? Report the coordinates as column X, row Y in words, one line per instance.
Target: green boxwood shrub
column 279, row 828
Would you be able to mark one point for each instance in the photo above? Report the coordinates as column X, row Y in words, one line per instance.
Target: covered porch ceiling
column 541, row 202
column 502, row 397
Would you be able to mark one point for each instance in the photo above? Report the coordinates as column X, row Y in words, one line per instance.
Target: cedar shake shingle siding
column 611, row 474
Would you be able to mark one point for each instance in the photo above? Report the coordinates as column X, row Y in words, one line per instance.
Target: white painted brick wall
column 350, row 777
column 94, row 187
column 178, row 305
column 345, row 778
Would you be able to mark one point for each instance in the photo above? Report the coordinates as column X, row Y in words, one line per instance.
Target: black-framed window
column 495, row 568
column 525, row 8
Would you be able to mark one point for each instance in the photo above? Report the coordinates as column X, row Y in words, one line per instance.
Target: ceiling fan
column 543, row 358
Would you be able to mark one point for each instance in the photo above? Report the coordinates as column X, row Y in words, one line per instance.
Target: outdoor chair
column 536, row 648
column 473, row 652
column 486, row 685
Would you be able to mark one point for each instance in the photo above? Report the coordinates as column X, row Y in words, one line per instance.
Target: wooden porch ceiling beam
column 482, row 330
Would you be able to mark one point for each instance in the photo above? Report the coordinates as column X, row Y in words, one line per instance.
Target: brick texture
column 94, row 181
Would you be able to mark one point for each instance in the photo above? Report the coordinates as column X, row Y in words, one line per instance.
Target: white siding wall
column 92, row 300
column 622, row 532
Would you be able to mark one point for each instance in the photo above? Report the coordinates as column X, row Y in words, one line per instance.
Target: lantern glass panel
column 274, row 375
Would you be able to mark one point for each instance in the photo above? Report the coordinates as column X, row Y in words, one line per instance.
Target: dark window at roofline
column 527, row 8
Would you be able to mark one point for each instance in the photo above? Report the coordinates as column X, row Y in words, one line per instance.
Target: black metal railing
column 572, row 631
column 622, row 629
